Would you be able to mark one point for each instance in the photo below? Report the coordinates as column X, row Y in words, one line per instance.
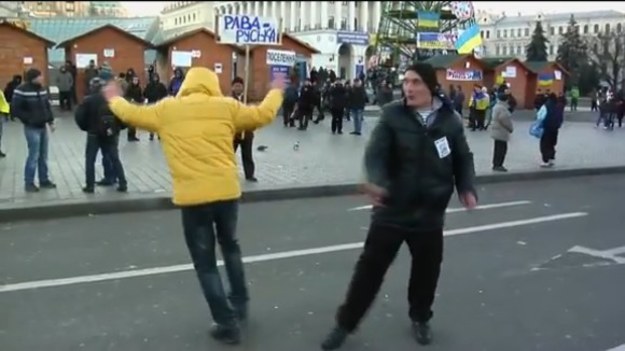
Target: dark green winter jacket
column 402, row 157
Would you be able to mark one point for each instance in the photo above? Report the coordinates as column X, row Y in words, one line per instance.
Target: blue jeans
column 358, row 116
column 204, row 225
column 37, row 160
column 108, row 165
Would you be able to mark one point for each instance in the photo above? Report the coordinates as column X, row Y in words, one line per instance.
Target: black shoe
column 335, row 339
column 105, row 182
column 47, row 185
column 251, row 179
column 2, row 154
column 88, row 190
column 241, row 313
column 230, row 335
column 500, row 169
column 31, row 188
column 122, row 188
column 422, row 332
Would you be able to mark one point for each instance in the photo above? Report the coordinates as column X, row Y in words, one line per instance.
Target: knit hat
column 32, row 74
column 427, row 73
column 106, row 72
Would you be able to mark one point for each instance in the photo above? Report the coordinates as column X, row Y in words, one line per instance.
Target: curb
column 76, row 208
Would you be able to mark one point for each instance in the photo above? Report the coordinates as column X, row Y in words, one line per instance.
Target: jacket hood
column 200, row 80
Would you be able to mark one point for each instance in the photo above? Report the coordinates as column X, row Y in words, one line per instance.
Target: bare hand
column 52, row 127
column 279, row 82
column 111, row 90
column 468, row 200
column 376, row 194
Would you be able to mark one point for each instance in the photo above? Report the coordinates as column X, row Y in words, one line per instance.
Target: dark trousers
column 110, row 159
column 204, row 225
column 381, row 247
column 500, row 150
column 132, row 133
column 303, row 117
column 458, row 109
column 337, row 120
column 548, row 143
column 619, row 117
column 480, row 119
column 246, row 154
column 65, row 100
column 287, row 111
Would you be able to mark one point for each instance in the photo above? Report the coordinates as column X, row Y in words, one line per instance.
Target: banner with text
column 248, row 29
column 468, row 75
column 356, row 38
column 280, row 62
column 436, row 41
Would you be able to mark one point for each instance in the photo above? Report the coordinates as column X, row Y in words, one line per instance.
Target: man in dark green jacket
column 417, row 154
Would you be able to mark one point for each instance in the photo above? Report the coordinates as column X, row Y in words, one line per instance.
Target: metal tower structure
column 396, row 37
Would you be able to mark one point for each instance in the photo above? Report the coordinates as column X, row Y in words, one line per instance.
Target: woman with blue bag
column 549, row 119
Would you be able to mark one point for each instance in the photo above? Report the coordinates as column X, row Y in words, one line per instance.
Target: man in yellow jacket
column 197, row 128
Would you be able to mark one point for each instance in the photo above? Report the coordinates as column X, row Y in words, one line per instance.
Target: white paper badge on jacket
column 442, row 146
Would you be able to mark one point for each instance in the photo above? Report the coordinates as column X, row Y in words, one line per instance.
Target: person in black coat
column 338, row 104
column 306, row 104
column 154, row 92
column 133, row 94
column 245, row 139
column 102, row 126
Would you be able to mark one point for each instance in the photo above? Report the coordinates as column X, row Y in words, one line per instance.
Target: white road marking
column 607, row 254
column 618, row 348
column 48, row 283
column 462, row 209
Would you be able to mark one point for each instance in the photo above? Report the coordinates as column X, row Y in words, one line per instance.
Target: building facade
column 56, row 8
column 507, row 36
column 108, row 9
column 340, row 30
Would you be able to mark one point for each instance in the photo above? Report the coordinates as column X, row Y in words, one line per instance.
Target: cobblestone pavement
column 322, row 158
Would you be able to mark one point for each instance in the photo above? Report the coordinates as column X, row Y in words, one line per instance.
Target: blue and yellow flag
column 546, row 79
column 429, row 19
column 469, row 40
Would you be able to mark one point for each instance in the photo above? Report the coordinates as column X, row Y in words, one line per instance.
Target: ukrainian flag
column 546, row 79
column 428, row 19
column 469, row 40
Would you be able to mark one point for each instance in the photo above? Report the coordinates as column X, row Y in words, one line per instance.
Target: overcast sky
column 152, row 8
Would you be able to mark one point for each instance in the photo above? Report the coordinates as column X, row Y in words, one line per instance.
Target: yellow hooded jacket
column 5, row 108
column 196, row 129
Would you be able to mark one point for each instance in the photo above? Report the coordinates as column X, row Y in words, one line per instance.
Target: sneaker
column 251, row 179
column 546, row 165
column 500, row 169
column 88, row 190
column 422, row 332
column 2, row 154
column 335, row 339
column 122, row 188
column 230, row 335
column 47, row 185
column 241, row 313
column 31, row 188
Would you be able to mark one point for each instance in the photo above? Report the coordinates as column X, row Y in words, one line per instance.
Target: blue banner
column 276, row 70
column 357, row 38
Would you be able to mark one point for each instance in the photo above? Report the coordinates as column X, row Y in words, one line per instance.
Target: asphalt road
column 509, row 280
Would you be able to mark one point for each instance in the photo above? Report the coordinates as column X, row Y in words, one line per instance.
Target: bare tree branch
column 607, row 52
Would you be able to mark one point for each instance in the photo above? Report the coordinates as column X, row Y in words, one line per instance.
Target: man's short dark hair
column 238, row 80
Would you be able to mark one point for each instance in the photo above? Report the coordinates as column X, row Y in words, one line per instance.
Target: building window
column 487, row 34
column 344, row 23
column 505, row 33
column 505, row 50
column 331, row 22
column 619, row 27
column 519, row 50
column 194, row 17
column 552, row 30
column 482, row 34
column 596, row 29
column 498, row 33
column 518, row 32
column 550, row 49
column 607, row 27
column 527, row 32
column 585, row 29
column 497, row 50
column 511, row 33
column 356, row 25
column 560, row 30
